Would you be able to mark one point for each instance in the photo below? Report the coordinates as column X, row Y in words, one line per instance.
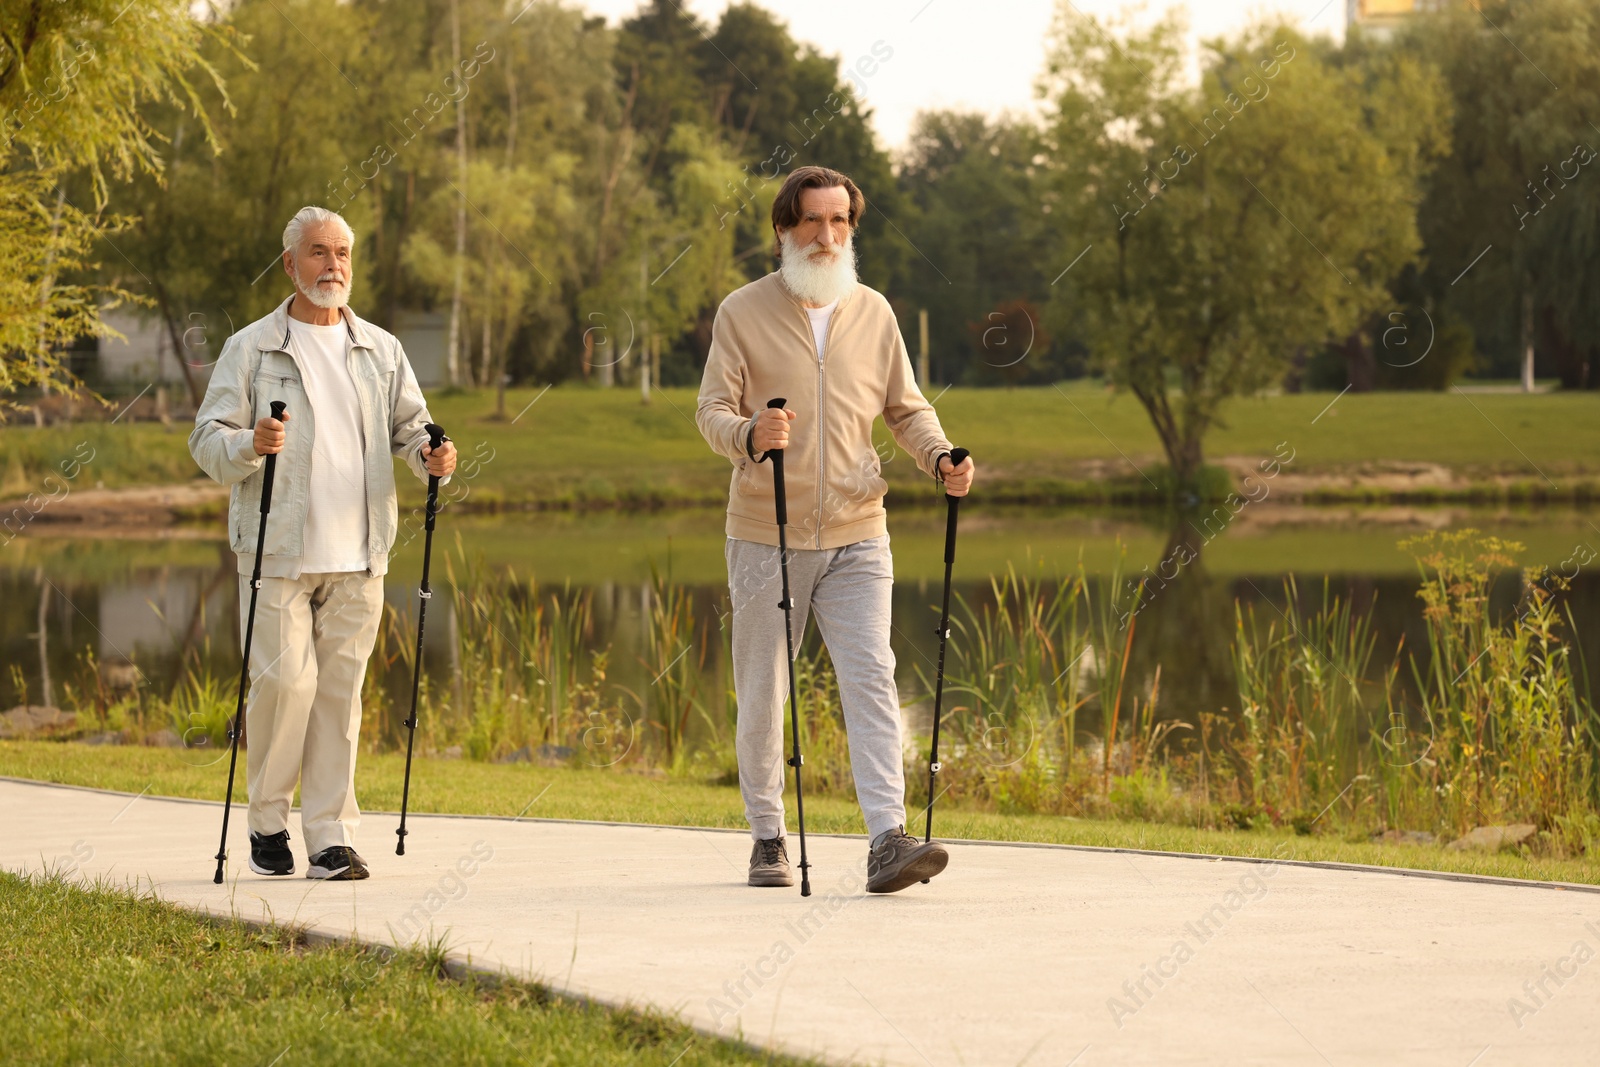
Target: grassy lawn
column 574, row 445
column 466, row 787
column 97, row 975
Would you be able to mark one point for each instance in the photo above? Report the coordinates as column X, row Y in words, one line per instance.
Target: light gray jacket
column 255, row 368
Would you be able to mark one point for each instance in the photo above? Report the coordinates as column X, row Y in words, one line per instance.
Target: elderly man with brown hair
column 812, row 333
column 352, row 403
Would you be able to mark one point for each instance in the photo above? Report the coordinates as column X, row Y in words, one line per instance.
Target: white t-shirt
column 336, row 508
column 819, row 324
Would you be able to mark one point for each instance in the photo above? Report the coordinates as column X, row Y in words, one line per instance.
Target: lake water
column 142, row 605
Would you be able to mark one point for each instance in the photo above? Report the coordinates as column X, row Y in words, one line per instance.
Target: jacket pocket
column 244, row 514
column 862, row 484
column 282, row 386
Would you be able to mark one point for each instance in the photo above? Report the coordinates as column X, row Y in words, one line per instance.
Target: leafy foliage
column 1226, row 225
column 75, row 82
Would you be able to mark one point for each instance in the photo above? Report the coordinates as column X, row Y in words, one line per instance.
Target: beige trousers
column 313, row 635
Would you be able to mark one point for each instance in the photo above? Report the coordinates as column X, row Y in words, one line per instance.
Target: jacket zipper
column 366, row 457
column 302, row 483
column 822, row 412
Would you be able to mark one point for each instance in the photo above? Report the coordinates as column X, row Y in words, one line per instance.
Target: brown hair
column 786, row 205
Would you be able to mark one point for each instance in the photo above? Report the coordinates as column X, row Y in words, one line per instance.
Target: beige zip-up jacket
column 762, row 348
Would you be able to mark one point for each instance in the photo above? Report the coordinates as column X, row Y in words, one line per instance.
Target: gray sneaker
column 902, row 860
column 769, row 864
column 337, row 864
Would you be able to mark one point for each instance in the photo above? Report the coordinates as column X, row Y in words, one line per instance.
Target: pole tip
column 216, row 879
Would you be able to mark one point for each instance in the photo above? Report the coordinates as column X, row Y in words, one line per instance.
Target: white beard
column 818, row 281
column 325, row 299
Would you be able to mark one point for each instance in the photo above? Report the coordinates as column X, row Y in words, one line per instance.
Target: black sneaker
column 337, row 864
column 269, row 853
column 902, row 860
column 769, row 863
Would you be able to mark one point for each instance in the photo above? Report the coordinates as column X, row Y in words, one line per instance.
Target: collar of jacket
column 777, row 280
column 355, row 328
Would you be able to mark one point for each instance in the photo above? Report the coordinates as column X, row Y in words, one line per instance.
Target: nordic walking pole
column 787, row 604
column 436, row 438
column 953, row 503
column 278, row 408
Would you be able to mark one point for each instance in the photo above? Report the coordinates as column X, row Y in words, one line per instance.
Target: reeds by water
column 1486, row 721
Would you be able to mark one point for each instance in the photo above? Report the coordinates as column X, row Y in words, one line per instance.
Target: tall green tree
column 976, row 187
column 1512, row 222
column 781, row 104
column 1211, row 231
column 74, row 80
column 774, row 104
column 206, row 238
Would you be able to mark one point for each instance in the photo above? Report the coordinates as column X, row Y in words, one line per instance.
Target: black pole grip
column 957, row 455
column 278, row 408
column 436, row 438
column 776, row 455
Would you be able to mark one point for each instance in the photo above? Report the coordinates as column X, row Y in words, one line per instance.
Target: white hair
column 310, row 215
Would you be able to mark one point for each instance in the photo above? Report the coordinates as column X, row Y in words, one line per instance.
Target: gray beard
column 818, row 283
column 326, row 301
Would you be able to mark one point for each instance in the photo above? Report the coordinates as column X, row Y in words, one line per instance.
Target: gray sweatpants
column 848, row 589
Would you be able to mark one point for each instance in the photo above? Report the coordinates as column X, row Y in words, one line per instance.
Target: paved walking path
column 1015, row 954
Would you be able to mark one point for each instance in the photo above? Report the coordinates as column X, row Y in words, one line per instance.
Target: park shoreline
column 1294, row 497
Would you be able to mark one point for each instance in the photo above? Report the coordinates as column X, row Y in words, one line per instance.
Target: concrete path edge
column 1330, row 865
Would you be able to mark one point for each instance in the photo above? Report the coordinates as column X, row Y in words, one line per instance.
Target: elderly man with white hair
column 352, row 401
column 811, row 333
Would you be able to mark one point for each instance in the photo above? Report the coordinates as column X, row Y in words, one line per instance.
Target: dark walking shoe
column 902, row 860
column 337, row 864
column 769, row 864
column 269, row 853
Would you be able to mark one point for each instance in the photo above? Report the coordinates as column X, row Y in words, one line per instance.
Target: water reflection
column 82, row 616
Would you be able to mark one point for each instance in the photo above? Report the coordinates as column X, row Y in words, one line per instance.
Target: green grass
column 583, row 447
column 465, row 787
column 98, row 974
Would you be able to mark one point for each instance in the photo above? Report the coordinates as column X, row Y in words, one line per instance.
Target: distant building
column 144, row 353
column 1381, row 17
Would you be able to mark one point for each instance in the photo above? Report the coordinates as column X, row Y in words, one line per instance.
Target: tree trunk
column 499, row 375
column 1572, row 362
column 486, row 369
column 47, row 286
column 1361, row 369
column 452, row 358
column 1181, row 442
column 511, row 110
column 401, row 229
column 1527, row 339
column 177, row 344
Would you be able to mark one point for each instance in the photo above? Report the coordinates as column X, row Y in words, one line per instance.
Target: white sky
column 973, row 54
